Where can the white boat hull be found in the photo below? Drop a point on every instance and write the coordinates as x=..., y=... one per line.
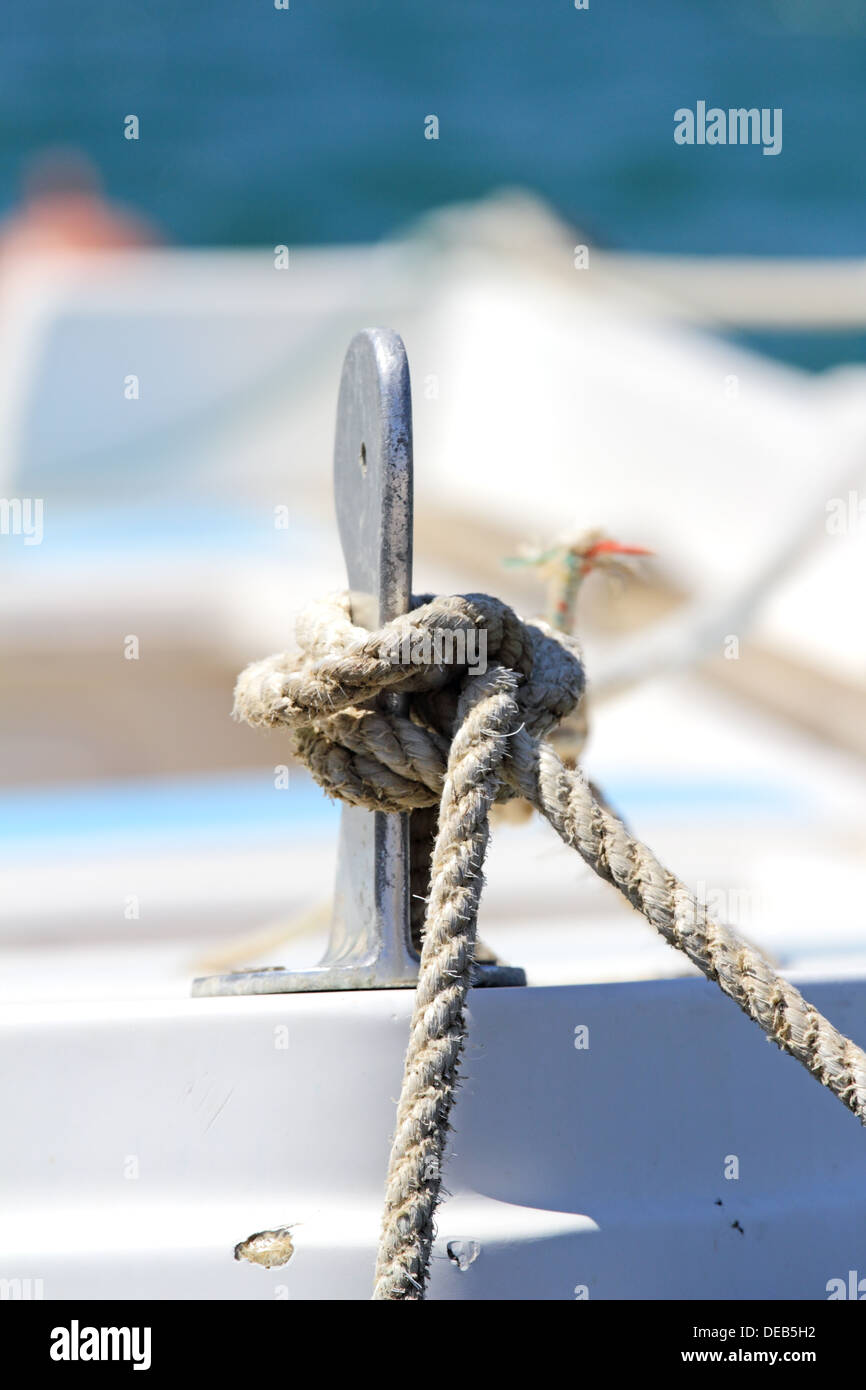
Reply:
x=152, y=1138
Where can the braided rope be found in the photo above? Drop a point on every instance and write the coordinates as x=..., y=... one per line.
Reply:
x=474, y=737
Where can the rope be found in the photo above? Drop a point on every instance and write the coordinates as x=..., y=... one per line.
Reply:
x=472, y=739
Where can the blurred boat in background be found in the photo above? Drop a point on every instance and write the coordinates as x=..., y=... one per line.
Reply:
x=173, y=412
x=173, y=409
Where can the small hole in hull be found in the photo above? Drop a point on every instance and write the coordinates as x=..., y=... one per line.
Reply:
x=362, y=460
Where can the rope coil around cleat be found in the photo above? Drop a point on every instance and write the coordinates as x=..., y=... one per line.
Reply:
x=474, y=737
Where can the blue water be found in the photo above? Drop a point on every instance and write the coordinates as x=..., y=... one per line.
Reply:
x=247, y=809
x=261, y=126
x=120, y=537
x=153, y=813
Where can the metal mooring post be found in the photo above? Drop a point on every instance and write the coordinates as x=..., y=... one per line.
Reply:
x=370, y=945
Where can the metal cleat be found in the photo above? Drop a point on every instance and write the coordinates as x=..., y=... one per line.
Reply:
x=370, y=944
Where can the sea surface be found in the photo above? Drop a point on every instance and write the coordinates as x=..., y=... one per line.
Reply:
x=304, y=125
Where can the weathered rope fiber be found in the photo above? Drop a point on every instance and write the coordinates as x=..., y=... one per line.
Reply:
x=472, y=738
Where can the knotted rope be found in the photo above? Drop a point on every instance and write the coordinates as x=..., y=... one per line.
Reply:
x=473, y=737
